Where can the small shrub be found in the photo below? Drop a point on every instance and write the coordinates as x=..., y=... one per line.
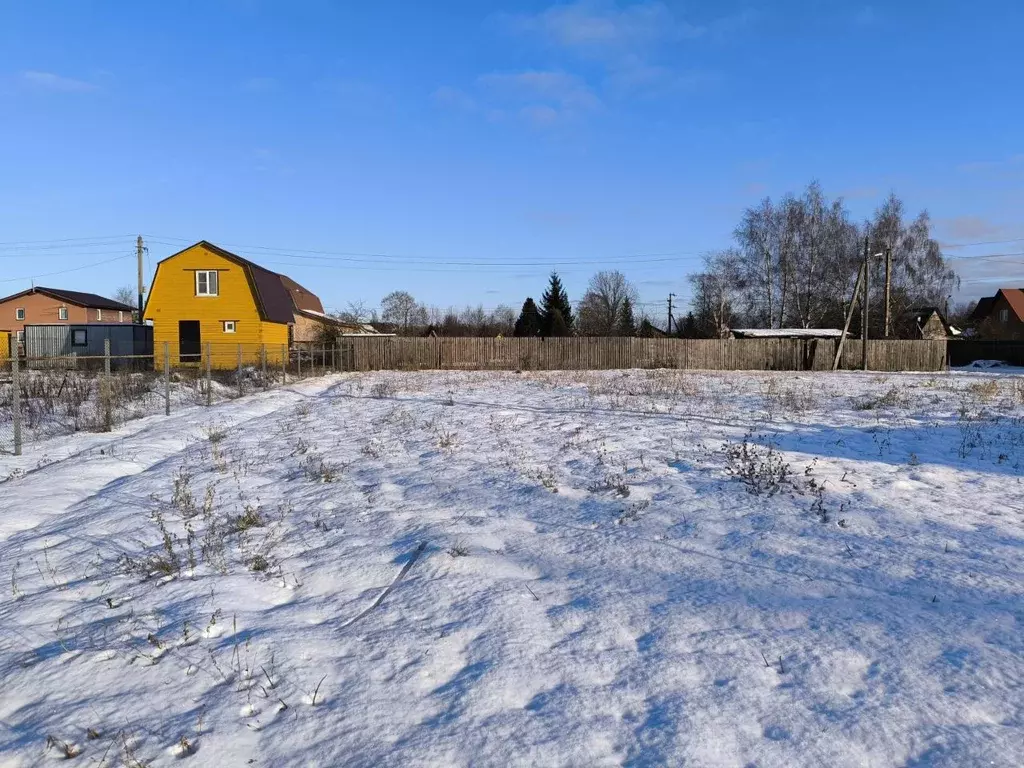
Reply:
x=760, y=469
x=250, y=518
x=458, y=549
x=382, y=389
x=258, y=564
x=985, y=390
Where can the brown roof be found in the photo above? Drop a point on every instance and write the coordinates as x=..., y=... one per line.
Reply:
x=1015, y=298
x=302, y=298
x=79, y=299
x=274, y=298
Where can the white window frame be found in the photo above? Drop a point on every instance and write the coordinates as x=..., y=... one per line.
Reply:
x=120, y=315
x=99, y=315
x=1004, y=315
x=229, y=326
x=215, y=282
x=62, y=313
x=19, y=313
x=20, y=337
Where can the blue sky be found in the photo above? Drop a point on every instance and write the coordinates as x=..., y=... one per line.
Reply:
x=461, y=149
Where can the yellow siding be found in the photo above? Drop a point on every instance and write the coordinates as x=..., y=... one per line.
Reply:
x=173, y=298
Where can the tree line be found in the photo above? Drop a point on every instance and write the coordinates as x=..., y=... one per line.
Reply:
x=793, y=263
x=606, y=309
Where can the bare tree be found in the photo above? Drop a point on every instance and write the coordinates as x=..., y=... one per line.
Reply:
x=402, y=310
x=717, y=291
x=503, y=320
x=921, y=276
x=601, y=306
x=354, y=312
x=127, y=295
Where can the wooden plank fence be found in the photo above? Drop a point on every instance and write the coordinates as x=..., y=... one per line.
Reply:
x=375, y=353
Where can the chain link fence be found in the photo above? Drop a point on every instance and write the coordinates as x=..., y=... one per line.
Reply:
x=46, y=397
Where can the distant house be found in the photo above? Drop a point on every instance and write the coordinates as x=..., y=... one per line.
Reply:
x=311, y=323
x=1000, y=316
x=785, y=333
x=929, y=323
x=205, y=294
x=58, y=306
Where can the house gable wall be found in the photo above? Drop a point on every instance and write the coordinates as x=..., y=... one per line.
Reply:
x=173, y=298
x=993, y=328
x=41, y=309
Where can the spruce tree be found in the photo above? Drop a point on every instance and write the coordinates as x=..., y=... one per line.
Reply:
x=558, y=326
x=626, y=323
x=555, y=299
x=689, y=328
x=528, y=323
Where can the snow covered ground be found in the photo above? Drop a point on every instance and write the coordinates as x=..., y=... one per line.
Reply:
x=634, y=568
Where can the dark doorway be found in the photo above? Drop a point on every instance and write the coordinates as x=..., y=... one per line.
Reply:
x=190, y=347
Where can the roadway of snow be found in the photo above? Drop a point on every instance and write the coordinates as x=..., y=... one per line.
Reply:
x=536, y=569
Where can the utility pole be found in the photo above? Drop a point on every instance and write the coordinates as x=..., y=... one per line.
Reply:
x=849, y=317
x=888, y=295
x=670, y=297
x=139, y=250
x=864, y=306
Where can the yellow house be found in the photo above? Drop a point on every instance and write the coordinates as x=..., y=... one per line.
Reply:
x=207, y=298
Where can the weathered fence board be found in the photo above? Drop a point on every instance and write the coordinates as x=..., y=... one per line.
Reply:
x=373, y=353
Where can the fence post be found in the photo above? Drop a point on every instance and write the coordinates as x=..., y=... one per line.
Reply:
x=334, y=367
x=298, y=360
x=16, y=401
x=263, y=363
x=241, y=386
x=284, y=363
x=167, y=378
x=108, y=412
x=209, y=377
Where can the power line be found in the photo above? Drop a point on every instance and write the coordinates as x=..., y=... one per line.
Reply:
x=984, y=242
x=65, y=271
x=67, y=240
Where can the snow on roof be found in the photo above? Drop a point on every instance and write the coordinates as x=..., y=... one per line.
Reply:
x=788, y=333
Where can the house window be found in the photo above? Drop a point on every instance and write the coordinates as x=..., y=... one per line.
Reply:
x=79, y=338
x=120, y=316
x=206, y=282
x=1004, y=315
x=62, y=313
x=21, y=337
x=229, y=326
x=99, y=315
x=19, y=313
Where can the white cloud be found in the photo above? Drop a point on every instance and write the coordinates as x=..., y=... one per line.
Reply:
x=866, y=16
x=603, y=28
x=547, y=88
x=969, y=228
x=48, y=81
x=454, y=98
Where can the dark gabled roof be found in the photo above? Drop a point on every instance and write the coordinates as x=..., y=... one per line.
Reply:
x=302, y=298
x=983, y=309
x=78, y=298
x=1013, y=296
x=273, y=298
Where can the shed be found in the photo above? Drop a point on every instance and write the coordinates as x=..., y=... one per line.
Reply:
x=786, y=333
x=131, y=344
